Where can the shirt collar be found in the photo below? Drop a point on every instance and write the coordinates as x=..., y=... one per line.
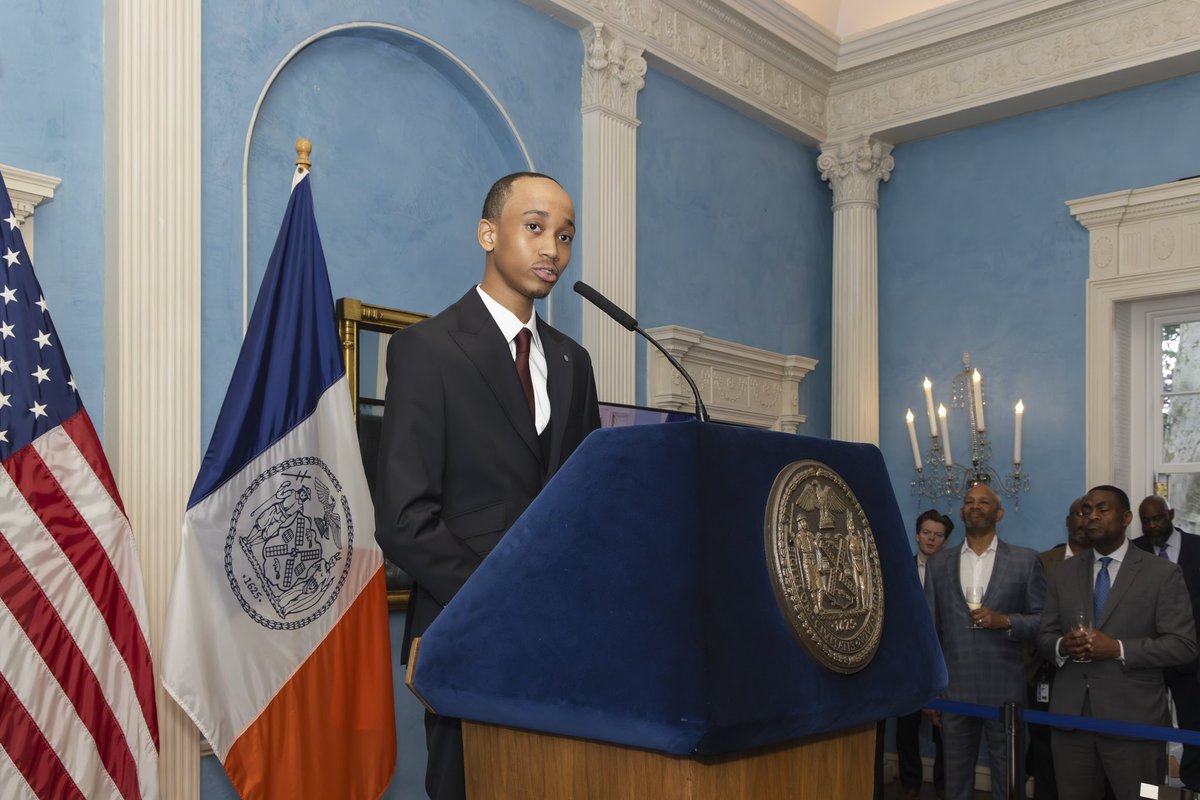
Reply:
x=507, y=321
x=991, y=548
x=1117, y=555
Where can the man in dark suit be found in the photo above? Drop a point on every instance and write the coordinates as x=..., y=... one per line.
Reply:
x=1113, y=670
x=933, y=529
x=983, y=647
x=484, y=402
x=1040, y=673
x=1161, y=537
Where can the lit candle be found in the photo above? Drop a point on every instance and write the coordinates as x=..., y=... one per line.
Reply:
x=945, y=434
x=1020, y=414
x=933, y=428
x=977, y=385
x=912, y=439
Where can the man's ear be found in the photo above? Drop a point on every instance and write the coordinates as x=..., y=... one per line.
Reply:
x=486, y=235
x=999, y=513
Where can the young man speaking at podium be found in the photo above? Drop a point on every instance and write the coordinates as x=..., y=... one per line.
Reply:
x=484, y=403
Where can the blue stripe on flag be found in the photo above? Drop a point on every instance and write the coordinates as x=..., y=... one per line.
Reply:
x=290, y=356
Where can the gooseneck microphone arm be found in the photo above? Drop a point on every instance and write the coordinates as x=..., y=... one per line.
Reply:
x=626, y=321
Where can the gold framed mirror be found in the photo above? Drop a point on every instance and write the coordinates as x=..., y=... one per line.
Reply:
x=364, y=330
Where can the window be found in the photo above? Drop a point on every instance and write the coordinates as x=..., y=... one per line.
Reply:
x=1165, y=404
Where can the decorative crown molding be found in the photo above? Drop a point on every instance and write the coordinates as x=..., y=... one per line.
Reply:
x=1059, y=49
x=613, y=73
x=854, y=169
x=738, y=383
x=730, y=56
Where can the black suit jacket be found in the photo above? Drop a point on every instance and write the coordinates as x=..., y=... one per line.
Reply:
x=459, y=457
x=1189, y=563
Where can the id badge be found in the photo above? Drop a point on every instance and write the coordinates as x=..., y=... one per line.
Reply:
x=1043, y=692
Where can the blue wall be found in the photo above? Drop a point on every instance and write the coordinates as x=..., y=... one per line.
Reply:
x=405, y=146
x=978, y=252
x=52, y=121
x=734, y=233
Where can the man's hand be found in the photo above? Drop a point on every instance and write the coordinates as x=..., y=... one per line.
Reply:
x=1077, y=644
x=1104, y=647
x=935, y=717
x=984, y=617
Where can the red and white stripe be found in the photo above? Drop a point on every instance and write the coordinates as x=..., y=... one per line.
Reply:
x=77, y=713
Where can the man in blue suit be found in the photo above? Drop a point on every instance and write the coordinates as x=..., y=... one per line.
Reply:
x=985, y=657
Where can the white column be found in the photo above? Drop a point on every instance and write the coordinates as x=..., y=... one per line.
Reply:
x=613, y=74
x=152, y=305
x=854, y=169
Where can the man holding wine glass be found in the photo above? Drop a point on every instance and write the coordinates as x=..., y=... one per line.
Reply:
x=986, y=599
x=1115, y=617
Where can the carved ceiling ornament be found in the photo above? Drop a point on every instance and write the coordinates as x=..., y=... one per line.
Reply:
x=854, y=169
x=613, y=72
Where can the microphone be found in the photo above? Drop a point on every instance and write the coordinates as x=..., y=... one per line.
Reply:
x=627, y=322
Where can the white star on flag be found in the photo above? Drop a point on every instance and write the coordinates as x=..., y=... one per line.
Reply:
x=4, y=400
x=71, y=383
x=39, y=409
x=5, y=366
x=42, y=339
x=11, y=257
x=42, y=374
x=3, y=436
x=9, y=295
x=11, y=219
x=41, y=303
x=6, y=329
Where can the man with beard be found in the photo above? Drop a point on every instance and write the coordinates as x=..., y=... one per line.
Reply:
x=1161, y=537
x=1141, y=624
x=985, y=657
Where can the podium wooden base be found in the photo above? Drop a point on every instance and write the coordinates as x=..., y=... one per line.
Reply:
x=510, y=764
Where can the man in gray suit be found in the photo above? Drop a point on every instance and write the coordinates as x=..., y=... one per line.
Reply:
x=1114, y=670
x=983, y=647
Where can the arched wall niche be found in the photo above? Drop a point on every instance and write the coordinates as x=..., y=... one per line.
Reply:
x=406, y=141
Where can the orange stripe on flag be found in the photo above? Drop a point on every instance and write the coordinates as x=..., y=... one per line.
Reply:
x=330, y=730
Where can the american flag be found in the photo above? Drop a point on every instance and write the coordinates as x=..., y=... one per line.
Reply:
x=77, y=712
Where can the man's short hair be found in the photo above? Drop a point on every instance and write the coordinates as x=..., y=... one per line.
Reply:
x=1120, y=494
x=933, y=515
x=497, y=196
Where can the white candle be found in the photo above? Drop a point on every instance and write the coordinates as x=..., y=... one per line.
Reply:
x=912, y=439
x=977, y=386
x=945, y=434
x=1020, y=414
x=933, y=428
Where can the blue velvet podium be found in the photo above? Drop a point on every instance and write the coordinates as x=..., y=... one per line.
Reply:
x=628, y=622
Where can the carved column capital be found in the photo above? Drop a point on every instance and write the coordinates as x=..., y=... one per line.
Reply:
x=854, y=169
x=613, y=72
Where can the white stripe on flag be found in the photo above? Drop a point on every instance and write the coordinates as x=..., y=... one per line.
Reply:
x=12, y=781
x=66, y=592
x=219, y=664
x=99, y=511
x=36, y=688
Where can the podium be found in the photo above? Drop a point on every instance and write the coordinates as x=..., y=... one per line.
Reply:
x=624, y=639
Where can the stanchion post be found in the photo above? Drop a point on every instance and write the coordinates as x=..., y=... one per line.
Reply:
x=1011, y=713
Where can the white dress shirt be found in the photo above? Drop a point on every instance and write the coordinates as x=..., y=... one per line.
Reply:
x=976, y=570
x=510, y=326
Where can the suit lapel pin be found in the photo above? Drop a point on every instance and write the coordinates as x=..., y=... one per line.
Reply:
x=566, y=357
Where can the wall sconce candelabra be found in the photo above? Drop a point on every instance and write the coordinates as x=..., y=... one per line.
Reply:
x=938, y=477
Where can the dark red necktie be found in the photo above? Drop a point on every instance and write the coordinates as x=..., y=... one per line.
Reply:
x=523, y=339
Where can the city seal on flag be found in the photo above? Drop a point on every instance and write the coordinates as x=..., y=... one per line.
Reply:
x=824, y=566
x=290, y=542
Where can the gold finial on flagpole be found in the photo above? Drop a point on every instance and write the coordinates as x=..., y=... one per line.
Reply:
x=303, y=151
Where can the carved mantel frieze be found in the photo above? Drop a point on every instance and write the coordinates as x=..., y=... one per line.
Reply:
x=738, y=383
x=613, y=73
x=854, y=169
x=27, y=190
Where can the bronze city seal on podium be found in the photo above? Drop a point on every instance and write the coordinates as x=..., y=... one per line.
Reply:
x=824, y=566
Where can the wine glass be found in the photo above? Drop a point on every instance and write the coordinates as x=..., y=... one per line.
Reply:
x=1082, y=623
x=974, y=596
